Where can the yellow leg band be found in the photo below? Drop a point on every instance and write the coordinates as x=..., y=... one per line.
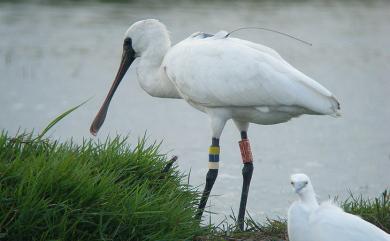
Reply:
x=214, y=150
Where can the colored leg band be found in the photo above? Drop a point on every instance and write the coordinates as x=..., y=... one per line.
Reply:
x=214, y=150
x=214, y=157
x=246, y=152
x=213, y=165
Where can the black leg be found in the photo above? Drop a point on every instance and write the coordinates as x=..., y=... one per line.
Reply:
x=247, y=171
x=210, y=179
x=168, y=166
x=211, y=175
x=244, y=135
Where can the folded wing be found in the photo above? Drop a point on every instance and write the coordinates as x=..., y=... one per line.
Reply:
x=234, y=72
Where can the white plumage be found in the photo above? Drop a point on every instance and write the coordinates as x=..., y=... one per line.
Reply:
x=308, y=221
x=298, y=222
x=227, y=78
x=230, y=73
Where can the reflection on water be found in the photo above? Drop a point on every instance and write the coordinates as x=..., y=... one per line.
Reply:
x=55, y=56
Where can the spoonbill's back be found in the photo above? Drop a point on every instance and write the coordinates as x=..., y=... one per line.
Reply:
x=227, y=78
x=309, y=221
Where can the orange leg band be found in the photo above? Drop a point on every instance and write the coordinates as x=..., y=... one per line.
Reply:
x=246, y=152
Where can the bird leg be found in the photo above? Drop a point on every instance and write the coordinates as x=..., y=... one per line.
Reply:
x=168, y=166
x=211, y=175
x=247, y=171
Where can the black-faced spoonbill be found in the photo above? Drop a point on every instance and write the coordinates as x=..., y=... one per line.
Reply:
x=224, y=77
x=309, y=221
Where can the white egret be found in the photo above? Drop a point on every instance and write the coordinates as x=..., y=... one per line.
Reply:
x=309, y=221
x=224, y=77
x=300, y=210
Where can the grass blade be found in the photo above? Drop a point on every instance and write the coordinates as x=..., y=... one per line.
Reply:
x=58, y=119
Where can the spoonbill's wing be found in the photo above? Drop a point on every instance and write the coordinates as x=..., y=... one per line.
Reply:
x=224, y=72
x=329, y=223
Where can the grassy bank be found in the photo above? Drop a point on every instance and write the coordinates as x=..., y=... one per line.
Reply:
x=113, y=191
x=107, y=191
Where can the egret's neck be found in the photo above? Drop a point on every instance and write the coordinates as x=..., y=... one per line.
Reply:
x=151, y=75
x=308, y=197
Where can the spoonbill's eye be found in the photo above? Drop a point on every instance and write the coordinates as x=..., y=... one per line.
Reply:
x=306, y=182
x=292, y=183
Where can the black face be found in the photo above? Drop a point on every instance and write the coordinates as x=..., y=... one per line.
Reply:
x=128, y=57
x=127, y=44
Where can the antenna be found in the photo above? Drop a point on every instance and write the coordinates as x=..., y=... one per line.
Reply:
x=270, y=30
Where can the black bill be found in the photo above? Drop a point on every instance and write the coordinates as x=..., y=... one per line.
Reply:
x=128, y=57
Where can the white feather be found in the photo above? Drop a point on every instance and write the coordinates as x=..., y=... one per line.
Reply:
x=331, y=223
x=308, y=221
x=298, y=222
x=239, y=73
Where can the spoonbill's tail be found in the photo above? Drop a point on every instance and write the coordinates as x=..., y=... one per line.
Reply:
x=335, y=107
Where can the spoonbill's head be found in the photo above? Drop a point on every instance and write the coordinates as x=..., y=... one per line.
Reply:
x=147, y=33
x=301, y=183
x=141, y=37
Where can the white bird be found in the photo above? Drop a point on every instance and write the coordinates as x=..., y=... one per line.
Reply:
x=300, y=210
x=309, y=221
x=224, y=77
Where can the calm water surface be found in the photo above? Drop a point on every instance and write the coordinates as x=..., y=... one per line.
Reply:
x=53, y=57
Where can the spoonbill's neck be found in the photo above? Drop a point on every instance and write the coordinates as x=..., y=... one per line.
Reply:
x=309, y=197
x=151, y=75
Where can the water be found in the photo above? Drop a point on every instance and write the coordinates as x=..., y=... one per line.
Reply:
x=53, y=57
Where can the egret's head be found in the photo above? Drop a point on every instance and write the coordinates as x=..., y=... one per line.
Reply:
x=143, y=35
x=301, y=183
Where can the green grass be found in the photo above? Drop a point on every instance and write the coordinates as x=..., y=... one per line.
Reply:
x=376, y=211
x=91, y=191
x=112, y=191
